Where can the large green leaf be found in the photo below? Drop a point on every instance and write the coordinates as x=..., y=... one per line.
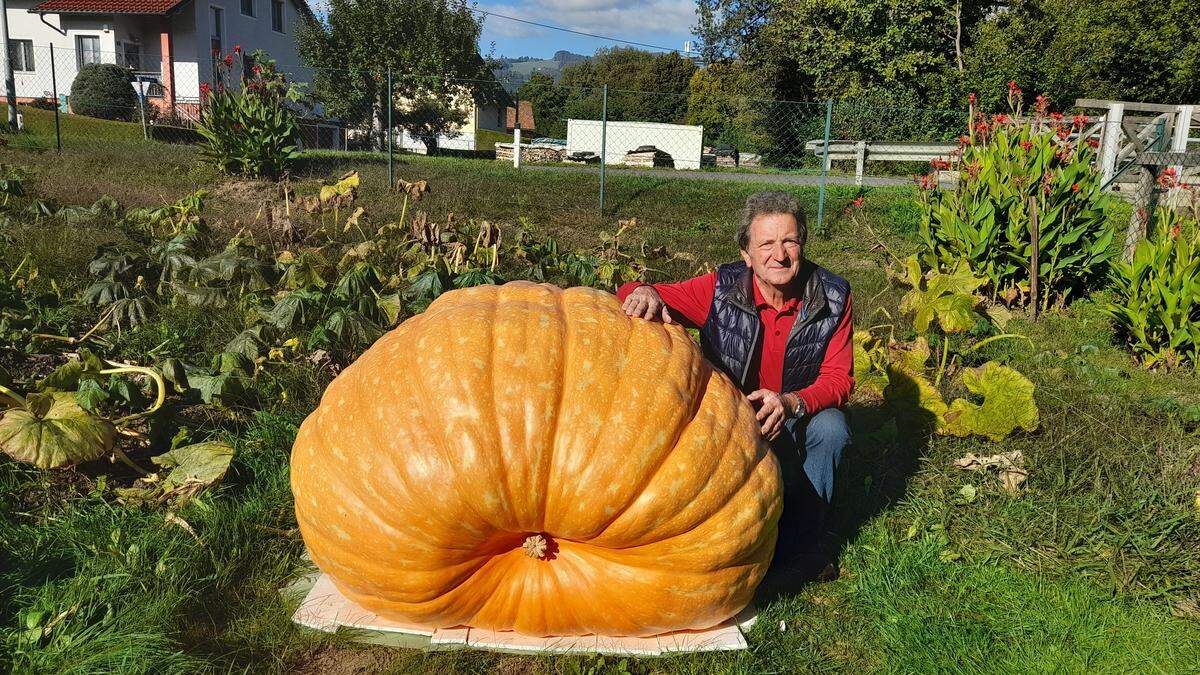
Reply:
x=1007, y=405
x=53, y=431
x=946, y=297
x=197, y=464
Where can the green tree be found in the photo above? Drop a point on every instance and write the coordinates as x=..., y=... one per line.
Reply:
x=727, y=99
x=642, y=86
x=548, y=101
x=431, y=47
x=1143, y=50
x=843, y=49
x=729, y=29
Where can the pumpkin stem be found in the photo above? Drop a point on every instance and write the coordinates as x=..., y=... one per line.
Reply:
x=535, y=546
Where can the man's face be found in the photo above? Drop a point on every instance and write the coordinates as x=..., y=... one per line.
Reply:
x=774, y=251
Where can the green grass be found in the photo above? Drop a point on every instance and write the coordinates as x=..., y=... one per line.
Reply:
x=1089, y=569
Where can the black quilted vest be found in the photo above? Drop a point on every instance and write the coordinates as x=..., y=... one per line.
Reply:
x=732, y=334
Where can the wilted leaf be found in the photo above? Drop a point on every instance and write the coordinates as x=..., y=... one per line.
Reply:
x=173, y=371
x=1000, y=315
x=199, y=463
x=1006, y=464
x=53, y=431
x=909, y=356
x=1007, y=403
x=248, y=343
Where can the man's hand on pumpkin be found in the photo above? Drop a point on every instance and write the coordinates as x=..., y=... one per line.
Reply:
x=645, y=303
x=772, y=411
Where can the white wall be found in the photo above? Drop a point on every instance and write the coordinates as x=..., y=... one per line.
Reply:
x=684, y=143
x=252, y=33
x=190, y=37
x=461, y=141
x=25, y=26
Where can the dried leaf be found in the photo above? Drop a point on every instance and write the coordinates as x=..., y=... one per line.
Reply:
x=1007, y=465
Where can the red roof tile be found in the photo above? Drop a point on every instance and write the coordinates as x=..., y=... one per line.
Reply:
x=127, y=7
x=106, y=6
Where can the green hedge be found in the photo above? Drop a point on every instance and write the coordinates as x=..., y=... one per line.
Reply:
x=103, y=90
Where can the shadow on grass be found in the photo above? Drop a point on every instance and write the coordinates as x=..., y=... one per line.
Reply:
x=883, y=455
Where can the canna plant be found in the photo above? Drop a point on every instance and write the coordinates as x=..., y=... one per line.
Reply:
x=1008, y=166
x=250, y=130
x=1157, y=303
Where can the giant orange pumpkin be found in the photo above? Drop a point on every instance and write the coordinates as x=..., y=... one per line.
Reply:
x=527, y=458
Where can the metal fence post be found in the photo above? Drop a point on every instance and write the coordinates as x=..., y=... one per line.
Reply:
x=391, y=168
x=142, y=109
x=54, y=91
x=603, y=142
x=824, y=167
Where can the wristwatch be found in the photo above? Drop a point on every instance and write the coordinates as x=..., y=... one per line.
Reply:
x=794, y=404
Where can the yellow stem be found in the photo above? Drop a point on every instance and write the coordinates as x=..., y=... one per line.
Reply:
x=149, y=372
x=5, y=391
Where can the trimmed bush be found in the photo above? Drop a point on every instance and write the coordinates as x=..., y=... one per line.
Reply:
x=103, y=90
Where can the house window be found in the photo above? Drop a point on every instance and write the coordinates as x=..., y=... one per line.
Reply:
x=217, y=31
x=87, y=50
x=129, y=55
x=20, y=54
x=248, y=7
x=277, y=16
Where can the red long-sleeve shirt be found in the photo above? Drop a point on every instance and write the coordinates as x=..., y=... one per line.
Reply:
x=690, y=301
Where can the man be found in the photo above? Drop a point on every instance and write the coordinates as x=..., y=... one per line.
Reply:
x=780, y=327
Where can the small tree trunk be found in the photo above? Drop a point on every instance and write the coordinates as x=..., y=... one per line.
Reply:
x=958, y=56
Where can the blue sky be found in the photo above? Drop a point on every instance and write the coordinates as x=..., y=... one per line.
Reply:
x=659, y=22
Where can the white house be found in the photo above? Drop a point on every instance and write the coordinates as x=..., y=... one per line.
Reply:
x=167, y=42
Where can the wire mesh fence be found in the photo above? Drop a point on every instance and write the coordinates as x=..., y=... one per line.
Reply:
x=534, y=123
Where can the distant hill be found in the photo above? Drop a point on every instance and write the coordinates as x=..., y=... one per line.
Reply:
x=522, y=67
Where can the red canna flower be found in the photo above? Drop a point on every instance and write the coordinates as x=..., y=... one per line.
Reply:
x=858, y=203
x=926, y=182
x=1000, y=119
x=1026, y=145
x=1056, y=116
x=229, y=59
x=1168, y=178
x=1012, y=86
x=205, y=90
x=971, y=98
x=964, y=140
x=939, y=164
x=1080, y=121
x=1075, y=188
x=237, y=49
x=256, y=69
x=1175, y=232
x=1093, y=143
x=1042, y=104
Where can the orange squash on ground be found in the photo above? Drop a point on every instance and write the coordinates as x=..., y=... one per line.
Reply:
x=527, y=458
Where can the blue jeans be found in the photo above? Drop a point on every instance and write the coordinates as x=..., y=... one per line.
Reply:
x=809, y=450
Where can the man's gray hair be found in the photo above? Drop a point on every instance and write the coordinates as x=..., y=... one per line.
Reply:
x=768, y=202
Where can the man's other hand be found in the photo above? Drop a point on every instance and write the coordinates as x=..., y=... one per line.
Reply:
x=645, y=303
x=771, y=411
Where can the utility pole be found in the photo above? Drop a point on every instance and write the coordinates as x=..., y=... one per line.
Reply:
x=10, y=86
